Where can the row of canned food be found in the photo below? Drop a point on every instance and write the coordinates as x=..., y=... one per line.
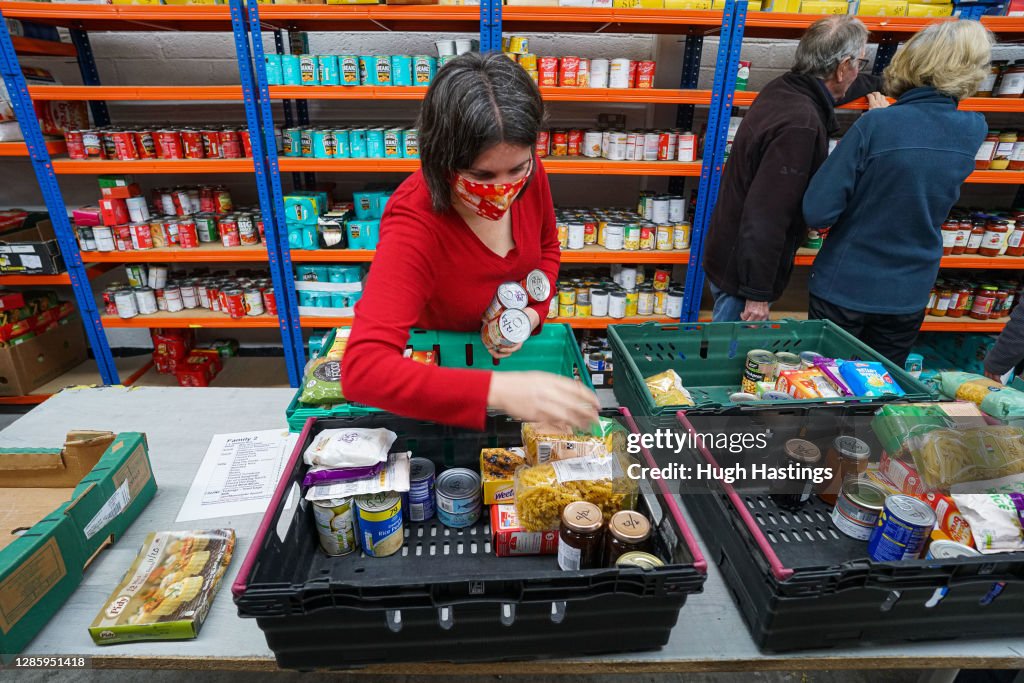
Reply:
x=353, y=70
x=241, y=229
x=348, y=142
x=146, y=141
x=627, y=293
x=619, y=145
x=151, y=289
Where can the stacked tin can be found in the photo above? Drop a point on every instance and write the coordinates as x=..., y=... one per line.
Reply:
x=627, y=293
x=353, y=70
x=349, y=142
x=153, y=288
x=619, y=145
x=580, y=72
x=328, y=297
x=655, y=228
x=132, y=143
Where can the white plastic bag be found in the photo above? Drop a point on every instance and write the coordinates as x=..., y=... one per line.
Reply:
x=350, y=447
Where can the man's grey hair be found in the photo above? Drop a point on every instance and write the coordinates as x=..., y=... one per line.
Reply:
x=827, y=43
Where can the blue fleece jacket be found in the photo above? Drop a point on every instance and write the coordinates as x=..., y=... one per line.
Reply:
x=885, y=190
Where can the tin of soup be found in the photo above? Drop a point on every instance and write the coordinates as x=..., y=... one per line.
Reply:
x=379, y=516
x=458, y=497
x=903, y=527
x=419, y=505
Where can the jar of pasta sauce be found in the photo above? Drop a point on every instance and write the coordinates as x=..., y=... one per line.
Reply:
x=961, y=298
x=984, y=300
x=983, y=159
x=950, y=230
x=963, y=236
x=1015, y=242
x=976, y=238
x=943, y=298
x=999, y=308
x=996, y=232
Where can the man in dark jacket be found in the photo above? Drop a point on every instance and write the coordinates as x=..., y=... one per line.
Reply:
x=758, y=225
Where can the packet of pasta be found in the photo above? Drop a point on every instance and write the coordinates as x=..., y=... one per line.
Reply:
x=945, y=457
x=667, y=389
x=543, y=491
x=545, y=443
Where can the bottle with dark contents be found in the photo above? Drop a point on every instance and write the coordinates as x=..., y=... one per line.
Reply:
x=791, y=494
x=628, y=531
x=580, y=537
x=847, y=457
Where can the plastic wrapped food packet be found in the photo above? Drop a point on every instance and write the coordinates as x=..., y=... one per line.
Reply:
x=667, y=389
x=895, y=423
x=543, y=491
x=995, y=512
x=944, y=457
x=1005, y=403
x=349, y=447
x=546, y=442
x=868, y=378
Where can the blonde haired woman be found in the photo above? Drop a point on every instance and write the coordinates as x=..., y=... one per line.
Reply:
x=889, y=185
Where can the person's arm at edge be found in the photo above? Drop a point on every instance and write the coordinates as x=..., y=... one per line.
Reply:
x=1009, y=349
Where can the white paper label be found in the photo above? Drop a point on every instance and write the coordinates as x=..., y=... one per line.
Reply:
x=590, y=468
x=111, y=509
x=568, y=557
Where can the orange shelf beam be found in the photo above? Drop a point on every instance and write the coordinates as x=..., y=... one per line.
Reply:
x=805, y=257
x=997, y=177
x=941, y=324
x=981, y=104
x=196, y=318
x=332, y=255
x=90, y=167
x=138, y=93
x=340, y=92
x=42, y=48
x=19, y=149
x=212, y=253
x=627, y=95
x=317, y=321
x=349, y=165
x=603, y=323
x=588, y=255
x=585, y=166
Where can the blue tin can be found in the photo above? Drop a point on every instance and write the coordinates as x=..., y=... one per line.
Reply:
x=308, y=70
x=423, y=69
x=341, y=144
x=291, y=142
x=393, y=143
x=401, y=70
x=368, y=70
x=383, y=76
x=275, y=72
x=372, y=234
x=339, y=300
x=902, y=530
x=418, y=503
x=364, y=205
x=306, y=142
x=348, y=70
x=324, y=144
x=327, y=70
x=411, y=143
x=375, y=143
x=379, y=516
x=357, y=143
x=458, y=497
x=290, y=70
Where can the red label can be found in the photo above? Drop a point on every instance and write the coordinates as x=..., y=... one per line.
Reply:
x=109, y=149
x=124, y=145
x=575, y=142
x=666, y=146
x=243, y=135
x=590, y=233
x=258, y=220
x=92, y=141
x=211, y=143
x=644, y=74
x=145, y=145
x=229, y=236
x=543, y=147
x=559, y=143
x=269, y=301
x=75, y=144
x=647, y=236
x=213, y=295
x=169, y=144
x=182, y=202
x=140, y=236
x=230, y=144
x=188, y=236
x=632, y=73
x=569, y=71
x=123, y=238
x=234, y=303
x=222, y=199
x=192, y=144
x=207, y=203
x=547, y=71
x=247, y=234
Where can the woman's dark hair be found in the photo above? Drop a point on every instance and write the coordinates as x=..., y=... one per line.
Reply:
x=475, y=102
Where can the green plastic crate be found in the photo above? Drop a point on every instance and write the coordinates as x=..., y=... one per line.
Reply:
x=553, y=350
x=710, y=358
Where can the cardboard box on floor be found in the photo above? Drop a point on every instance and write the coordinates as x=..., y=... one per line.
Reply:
x=58, y=510
x=34, y=362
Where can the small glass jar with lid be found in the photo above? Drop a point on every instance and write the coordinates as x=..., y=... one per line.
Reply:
x=793, y=493
x=580, y=536
x=627, y=531
x=847, y=457
x=983, y=159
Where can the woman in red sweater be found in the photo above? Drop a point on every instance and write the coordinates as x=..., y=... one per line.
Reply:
x=477, y=214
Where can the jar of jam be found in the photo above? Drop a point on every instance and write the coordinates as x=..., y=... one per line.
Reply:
x=1004, y=150
x=1012, y=83
x=627, y=531
x=983, y=159
x=984, y=300
x=996, y=232
x=1017, y=156
x=847, y=457
x=791, y=494
x=977, y=237
x=963, y=236
x=944, y=297
x=1015, y=242
x=988, y=86
x=580, y=537
x=950, y=230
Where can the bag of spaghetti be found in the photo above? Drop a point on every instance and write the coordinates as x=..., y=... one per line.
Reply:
x=944, y=457
x=1005, y=403
x=548, y=442
x=542, y=491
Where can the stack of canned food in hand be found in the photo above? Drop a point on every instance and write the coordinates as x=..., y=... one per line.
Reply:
x=505, y=322
x=148, y=141
x=349, y=142
x=628, y=293
x=352, y=70
x=580, y=72
x=619, y=145
x=660, y=226
x=328, y=297
x=184, y=217
x=153, y=288
x=958, y=295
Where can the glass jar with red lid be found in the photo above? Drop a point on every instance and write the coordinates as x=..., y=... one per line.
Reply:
x=961, y=295
x=950, y=232
x=984, y=300
x=995, y=237
x=976, y=238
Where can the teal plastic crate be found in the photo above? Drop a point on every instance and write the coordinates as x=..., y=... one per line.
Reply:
x=553, y=350
x=710, y=358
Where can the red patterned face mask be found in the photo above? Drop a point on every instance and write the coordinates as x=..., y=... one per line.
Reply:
x=489, y=200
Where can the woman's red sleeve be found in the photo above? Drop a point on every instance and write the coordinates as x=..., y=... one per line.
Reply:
x=374, y=370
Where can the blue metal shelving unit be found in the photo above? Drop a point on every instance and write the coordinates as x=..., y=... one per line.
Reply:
x=43, y=167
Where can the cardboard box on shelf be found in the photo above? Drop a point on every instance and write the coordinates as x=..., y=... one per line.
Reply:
x=59, y=508
x=882, y=8
x=921, y=10
x=26, y=366
x=688, y=4
x=31, y=251
x=824, y=7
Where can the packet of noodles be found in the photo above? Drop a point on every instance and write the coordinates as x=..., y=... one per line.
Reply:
x=667, y=389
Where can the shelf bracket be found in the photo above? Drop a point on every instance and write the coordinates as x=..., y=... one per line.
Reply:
x=90, y=74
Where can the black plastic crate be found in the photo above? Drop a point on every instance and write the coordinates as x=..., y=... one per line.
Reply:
x=445, y=596
x=801, y=584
